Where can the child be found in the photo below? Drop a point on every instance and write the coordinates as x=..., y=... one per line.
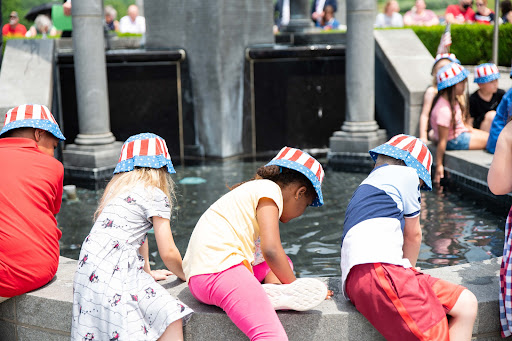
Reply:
x=328, y=21
x=500, y=183
x=380, y=246
x=30, y=197
x=484, y=101
x=448, y=117
x=483, y=14
x=441, y=60
x=115, y=295
x=219, y=260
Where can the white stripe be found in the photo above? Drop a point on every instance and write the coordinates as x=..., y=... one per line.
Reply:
x=136, y=147
x=152, y=146
x=404, y=142
x=124, y=152
x=8, y=117
x=167, y=155
x=417, y=149
x=314, y=167
x=275, y=158
x=303, y=158
x=36, y=112
x=20, y=115
x=290, y=153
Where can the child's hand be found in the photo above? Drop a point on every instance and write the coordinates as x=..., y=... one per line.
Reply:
x=439, y=174
x=330, y=293
x=161, y=274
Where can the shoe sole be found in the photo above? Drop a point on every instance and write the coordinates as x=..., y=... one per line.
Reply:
x=302, y=294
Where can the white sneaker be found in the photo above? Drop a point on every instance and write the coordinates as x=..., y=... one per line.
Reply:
x=302, y=294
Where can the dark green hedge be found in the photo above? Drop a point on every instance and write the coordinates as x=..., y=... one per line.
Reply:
x=472, y=44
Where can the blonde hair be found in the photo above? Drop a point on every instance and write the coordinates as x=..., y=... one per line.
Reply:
x=149, y=177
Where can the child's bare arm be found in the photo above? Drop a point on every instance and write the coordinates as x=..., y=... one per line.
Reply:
x=424, y=116
x=412, y=239
x=166, y=247
x=267, y=215
x=498, y=178
x=441, y=148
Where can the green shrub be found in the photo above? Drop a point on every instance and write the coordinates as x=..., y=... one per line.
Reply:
x=472, y=44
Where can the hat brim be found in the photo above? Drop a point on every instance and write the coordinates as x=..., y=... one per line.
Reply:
x=409, y=160
x=47, y=125
x=153, y=161
x=319, y=200
x=454, y=80
x=487, y=79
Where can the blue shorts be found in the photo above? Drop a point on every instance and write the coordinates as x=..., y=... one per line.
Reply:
x=461, y=142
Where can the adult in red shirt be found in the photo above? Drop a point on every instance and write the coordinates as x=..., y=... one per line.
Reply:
x=14, y=28
x=461, y=13
x=30, y=197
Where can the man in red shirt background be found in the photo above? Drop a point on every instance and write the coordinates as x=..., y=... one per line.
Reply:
x=31, y=182
x=14, y=28
x=461, y=13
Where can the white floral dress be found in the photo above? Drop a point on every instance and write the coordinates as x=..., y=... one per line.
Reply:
x=113, y=297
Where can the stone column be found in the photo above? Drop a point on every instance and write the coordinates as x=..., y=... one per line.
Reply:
x=95, y=152
x=360, y=131
x=300, y=18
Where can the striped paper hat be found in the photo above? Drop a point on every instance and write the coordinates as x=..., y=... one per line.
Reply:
x=485, y=73
x=304, y=163
x=412, y=151
x=144, y=150
x=450, y=74
x=450, y=56
x=32, y=116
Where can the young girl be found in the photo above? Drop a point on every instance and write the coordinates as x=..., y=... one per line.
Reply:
x=115, y=295
x=441, y=60
x=448, y=117
x=220, y=257
x=500, y=183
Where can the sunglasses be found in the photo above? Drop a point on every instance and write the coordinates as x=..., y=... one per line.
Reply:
x=13, y=17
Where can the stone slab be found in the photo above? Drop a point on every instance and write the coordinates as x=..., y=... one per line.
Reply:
x=26, y=75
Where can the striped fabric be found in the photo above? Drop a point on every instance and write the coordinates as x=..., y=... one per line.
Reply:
x=297, y=155
x=450, y=56
x=487, y=72
x=144, y=150
x=415, y=147
x=505, y=298
x=304, y=163
x=412, y=151
x=450, y=75
x=32, y=116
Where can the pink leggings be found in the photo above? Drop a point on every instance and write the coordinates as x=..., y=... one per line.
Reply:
x=239, y=293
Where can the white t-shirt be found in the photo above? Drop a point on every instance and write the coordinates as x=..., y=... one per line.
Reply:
x=126, y=25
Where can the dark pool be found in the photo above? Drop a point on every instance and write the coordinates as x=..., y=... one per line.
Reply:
x=457, y=228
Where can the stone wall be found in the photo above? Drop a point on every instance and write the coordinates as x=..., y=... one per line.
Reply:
x=45, y=314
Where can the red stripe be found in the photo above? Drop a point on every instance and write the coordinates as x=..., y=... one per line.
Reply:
x=283, y=153
x=43, y=114
x=398, y=140
x=422, y=154
x=319, y=174
x=144, y=144
x=396, y=302
x=29, y=112
x=129, y=152
x=429, y=162
x=14, y=112
x=478, y=73
x=309, y=163
x=485, y=71
x=158, y=147
x=296, y=156
x=410, y=146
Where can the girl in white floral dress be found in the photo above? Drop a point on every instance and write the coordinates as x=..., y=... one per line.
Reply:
x=115, y=296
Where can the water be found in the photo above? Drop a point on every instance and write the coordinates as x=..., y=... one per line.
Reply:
x=457, y=228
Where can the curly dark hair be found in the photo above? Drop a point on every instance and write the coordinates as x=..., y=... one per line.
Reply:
x=283, y=177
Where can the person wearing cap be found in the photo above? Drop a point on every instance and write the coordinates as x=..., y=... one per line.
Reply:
x=441, y=60
x=14, y=28
x=380, y=246
x=484, y=101
x=503, y=114
x=31, y=182
x=224, y=265
x=115, y=295
x=449, y=118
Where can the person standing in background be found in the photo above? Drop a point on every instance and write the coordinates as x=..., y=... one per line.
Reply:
x=133, y=22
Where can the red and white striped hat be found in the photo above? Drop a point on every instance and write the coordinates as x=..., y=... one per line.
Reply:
x=32, y=116
x=144, y=150
x=412, y=151
x=304, y=163
x=485, y=73
x=450, y=75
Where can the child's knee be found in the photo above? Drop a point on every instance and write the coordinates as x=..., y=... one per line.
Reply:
x=466, y=306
